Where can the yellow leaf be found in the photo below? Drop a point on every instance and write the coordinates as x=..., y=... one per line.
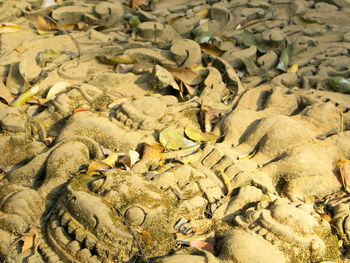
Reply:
x=293, y=68
x=120, y=59
x=226, y=181
x=174, y=141
x=111, y=159
x=9, y=28
x=153, y=151
x=197, y=135
x=95, y=167
x=203, y=13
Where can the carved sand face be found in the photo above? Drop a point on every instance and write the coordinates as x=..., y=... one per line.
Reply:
x=87, y=223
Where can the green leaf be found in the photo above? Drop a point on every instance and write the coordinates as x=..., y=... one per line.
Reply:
x=46, y=56
x=339, y=84
x=134, y=21
x=198, y=135
x=285, y=57
x=174, y=141
x=249, y=39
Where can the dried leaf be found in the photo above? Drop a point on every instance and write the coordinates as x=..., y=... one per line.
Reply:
x=9, y=28
x=46, y=56
x=19, y=49
x=96, y=167
x=148, y=237
x=43, y=32
x=339, y=84
x=198, y=135
x=208, y=117
x=326, y=217
x=128, y=160
x=5, y=94
x=185, y=75
x=174, y=19
x=249, y=39
x=14, y=80
x=174, y=141
x=43, y=25
x=211, y=49
x=203, y=13
x=203, y=37
x=24, y=97
x=49, y=140
x=120, y=59
x=75, y=111
x=202, y=245
x=111, y=159
x=30, y=240
x=153, y=151
x=293, y=68
x=57, y=88
x=192, y=158
x=344, y=177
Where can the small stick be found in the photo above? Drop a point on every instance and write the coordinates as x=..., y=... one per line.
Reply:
x=71, y=37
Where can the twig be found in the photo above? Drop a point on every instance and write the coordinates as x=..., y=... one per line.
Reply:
x=253, y=23
x=133, y=234
x=71, y=37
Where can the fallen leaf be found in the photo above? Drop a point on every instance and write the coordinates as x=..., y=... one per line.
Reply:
x=5, y=94
x=326, y=217
x=339, y=84
x=49, y=140
x=43, y=25
x=153, y=151
x=192, y=158
x=202, y=245
x=293, y=68
x=174, y=141
x=248, y=155
x=9, y=28
x=286, y=54
x=75, y=111
x=24, y=97
x=208, y=117
x=19, y=49
x=57, y=88
x=185, y=75
x=202, y=37
x=128, y=160
x=174, y=19
x=211, y=49
x=148, y=237
x=14, y=80
x=134, y=21
x=344, y=177
x=248, y=39
x=96, y=167
x=30, y=240
x=43, y=32
x=46, y=56
x=203, y=13
x=120, y=59
x=198, y=135
x=111, y=159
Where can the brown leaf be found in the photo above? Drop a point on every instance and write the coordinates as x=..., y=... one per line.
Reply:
x=187, y=76
x=5, y=94
x=30, y=240
x=129, y=160
x=202, y=245
x=211, y=49
x=174, y=19
x=344, y=177
x=326, y=217
x=42, y=24
x=153, y=151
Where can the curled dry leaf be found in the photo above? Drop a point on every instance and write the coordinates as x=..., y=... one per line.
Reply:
x=129, y=160
x=57, y=88
x=14, y=80
x=9, y=28
x=174, y=141
x=344, y=174
x=198, y=135
x=211, y=49
x=208, y=117
x=49, y=140
x=111, y=159
x=30, y=240
x=5, y=94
